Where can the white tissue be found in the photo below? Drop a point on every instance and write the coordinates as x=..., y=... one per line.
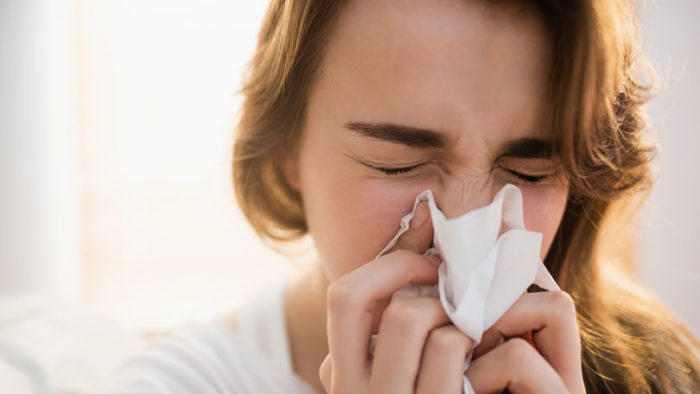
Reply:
x=484, y=269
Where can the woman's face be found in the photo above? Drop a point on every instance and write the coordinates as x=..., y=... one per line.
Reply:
x=451, y=91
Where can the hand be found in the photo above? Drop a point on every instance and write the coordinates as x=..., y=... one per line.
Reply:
x=417, y=348
x=504, y=361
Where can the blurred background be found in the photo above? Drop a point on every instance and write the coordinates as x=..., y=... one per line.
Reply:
x=117, y=210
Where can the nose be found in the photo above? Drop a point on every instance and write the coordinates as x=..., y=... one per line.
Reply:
x=460, y=196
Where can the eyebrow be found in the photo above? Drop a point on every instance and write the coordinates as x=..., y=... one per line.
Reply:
x=527, y=147
x=406, y=135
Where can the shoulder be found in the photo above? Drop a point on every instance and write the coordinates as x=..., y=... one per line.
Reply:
x=228, y=321
x=194, y=357
x=242, y=351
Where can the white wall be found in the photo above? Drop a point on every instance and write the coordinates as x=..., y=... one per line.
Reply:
x=671, y=245
x=164, y=240
x=38, y=189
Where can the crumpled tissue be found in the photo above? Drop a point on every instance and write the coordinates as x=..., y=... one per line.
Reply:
x=488, y=258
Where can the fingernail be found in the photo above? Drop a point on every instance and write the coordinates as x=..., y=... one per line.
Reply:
x=420, y=215
x=535, y=289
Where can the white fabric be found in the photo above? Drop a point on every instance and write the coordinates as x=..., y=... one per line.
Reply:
x=210, y=357
x=488, y=258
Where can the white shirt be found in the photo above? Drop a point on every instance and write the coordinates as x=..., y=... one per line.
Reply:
x=212, y=357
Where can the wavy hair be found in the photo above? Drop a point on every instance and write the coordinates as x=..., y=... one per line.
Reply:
x=630, y=343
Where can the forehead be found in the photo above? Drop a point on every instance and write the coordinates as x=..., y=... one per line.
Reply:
x=450, y=65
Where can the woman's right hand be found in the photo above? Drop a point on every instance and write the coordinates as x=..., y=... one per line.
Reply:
x=417, y=348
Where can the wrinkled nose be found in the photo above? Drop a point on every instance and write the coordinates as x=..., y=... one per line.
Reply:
x=460, y=196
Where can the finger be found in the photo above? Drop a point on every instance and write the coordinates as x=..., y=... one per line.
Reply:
x=489, y=340
x=442, y=364
x=492, y=338
x=419, y=236
x=351, y=300
x=403, y=330
x=551, y=316
x=324, y=373
x=515, y=366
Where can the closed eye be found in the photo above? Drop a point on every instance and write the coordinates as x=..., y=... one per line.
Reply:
x=396, y=171
x=528, y=178
x=401, y=170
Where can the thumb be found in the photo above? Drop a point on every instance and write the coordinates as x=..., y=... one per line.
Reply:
x=419, y=235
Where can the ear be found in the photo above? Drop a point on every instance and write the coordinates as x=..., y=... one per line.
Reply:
x=289, y=163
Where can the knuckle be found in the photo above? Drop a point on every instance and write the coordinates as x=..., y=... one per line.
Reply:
x=448, y=339
x=517, y=352
x=562, y=302
x=340, y=295
x=404, y=315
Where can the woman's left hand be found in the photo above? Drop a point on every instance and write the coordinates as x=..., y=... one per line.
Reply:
x=504, y=361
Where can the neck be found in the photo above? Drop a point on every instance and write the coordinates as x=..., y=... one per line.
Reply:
x=305, y=310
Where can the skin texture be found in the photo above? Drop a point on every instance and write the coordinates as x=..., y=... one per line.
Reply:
x=476, y=75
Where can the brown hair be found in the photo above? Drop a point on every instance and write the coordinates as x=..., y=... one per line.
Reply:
x=629, y=342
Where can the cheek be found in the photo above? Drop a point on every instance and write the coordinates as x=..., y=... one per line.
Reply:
x=543, y=209
x=365, y=218
x=374, y=209
x=351, y=217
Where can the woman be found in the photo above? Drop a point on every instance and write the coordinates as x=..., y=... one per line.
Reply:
x=351, y=109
